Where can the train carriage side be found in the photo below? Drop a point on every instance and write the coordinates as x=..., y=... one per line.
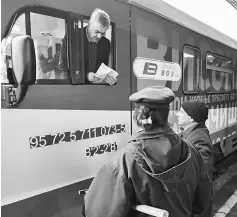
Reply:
x=60, y=119
x=208, y=67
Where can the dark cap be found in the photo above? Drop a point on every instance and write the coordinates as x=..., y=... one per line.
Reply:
x=196, y=109
x=155, y=97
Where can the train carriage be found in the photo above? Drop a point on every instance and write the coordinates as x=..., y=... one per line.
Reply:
x=57, y=129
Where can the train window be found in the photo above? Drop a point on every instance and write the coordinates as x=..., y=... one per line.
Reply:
x=19, y=28
x=219, y=73
x=191, y=69
x=48, y=33
x=56, y=38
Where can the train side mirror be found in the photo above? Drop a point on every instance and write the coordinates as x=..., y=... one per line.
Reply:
x=23, y=67
x=23, y=60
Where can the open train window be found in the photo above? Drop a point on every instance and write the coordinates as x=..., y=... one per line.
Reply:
x=84, y=53
x=219, y=73
x=191, y=69
x=58, y=41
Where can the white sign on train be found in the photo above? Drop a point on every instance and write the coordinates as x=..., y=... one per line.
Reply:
x=145, y=68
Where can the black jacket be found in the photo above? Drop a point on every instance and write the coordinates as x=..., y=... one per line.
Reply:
x=198, y=136
x=95, y=54
x=158, y=169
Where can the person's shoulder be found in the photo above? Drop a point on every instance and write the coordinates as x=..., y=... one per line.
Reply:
x=127, y=151
x=120, y=163
x=124, y=156
x=104, y=41
x=202, y=130
x=199, y=132
x=195, y=156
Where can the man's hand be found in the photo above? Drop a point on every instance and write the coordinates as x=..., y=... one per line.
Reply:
x=94, y=79
x=110, y=80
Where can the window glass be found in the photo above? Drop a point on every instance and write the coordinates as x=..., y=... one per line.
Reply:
x=50, y=42
x=219, y=73
x=19, y=28
x=191, y=69
x=216, y=61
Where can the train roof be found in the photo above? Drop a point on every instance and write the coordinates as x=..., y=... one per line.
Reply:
x=163, y=9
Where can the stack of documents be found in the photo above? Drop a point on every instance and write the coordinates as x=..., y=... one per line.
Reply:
x=104, y=70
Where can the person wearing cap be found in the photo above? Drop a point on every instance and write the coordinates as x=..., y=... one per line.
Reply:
x=191, y=119
x=157, y=168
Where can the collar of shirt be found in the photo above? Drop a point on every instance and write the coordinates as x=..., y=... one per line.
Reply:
x=156, y=132
x=188, y=126
x=188, y=130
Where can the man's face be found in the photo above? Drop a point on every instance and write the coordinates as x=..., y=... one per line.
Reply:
x=96, y=31
x=183, y=118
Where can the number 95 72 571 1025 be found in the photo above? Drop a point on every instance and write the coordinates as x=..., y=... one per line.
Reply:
x=101, y=149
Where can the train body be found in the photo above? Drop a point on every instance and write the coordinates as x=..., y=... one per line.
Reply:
x=55, y=139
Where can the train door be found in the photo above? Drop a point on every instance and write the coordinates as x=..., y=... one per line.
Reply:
x=64, y=128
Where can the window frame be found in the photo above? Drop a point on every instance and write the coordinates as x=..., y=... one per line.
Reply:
x=207, y=67
x=42, y=10
x=113, y=46
x=200, y=69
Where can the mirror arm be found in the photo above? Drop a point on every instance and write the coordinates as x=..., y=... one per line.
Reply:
x=20, y=93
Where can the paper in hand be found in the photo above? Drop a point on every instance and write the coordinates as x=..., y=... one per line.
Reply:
x=104, y=70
